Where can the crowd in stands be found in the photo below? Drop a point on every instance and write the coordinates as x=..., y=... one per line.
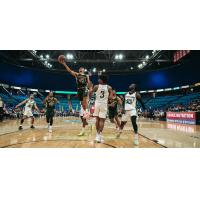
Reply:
x=192, y=106
x=156, y=105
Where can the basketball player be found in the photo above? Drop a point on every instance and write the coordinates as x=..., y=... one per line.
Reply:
x=83, y=83
x=50, y=103
x=29, y=105
x=130, y=100
x=103, y=93
x=113, y=102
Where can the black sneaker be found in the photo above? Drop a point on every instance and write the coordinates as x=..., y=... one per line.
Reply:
x=32, y=126
x=20, y=128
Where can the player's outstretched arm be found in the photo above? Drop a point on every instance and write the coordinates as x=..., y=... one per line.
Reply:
x=20, y=104
x=73, y=73
x=94, y=89
x=138, y=96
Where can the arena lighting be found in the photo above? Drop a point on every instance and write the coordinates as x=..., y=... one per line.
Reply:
x=147, y=57
x=185, y=86
x=143, y=91
x=47, y=56
x=154, y=51
x=144, y=63
x=32, y=90
x=5, y=85
x=47, y=91
x=69, y=56
x=176, y=88
x=85, y=70
x=168, y=89
x=94, y=70
x=160, y=90
x=119, y=57
x=49, y=65
x=131, y=68
x=17, y=88
x=140, y=66
x=41, y=56
x=197, y=84
x=104, y=70
x=45, y=62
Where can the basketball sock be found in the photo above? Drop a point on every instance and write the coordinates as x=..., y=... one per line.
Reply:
x=97, y=133
x=136, y=136
x=22, y=121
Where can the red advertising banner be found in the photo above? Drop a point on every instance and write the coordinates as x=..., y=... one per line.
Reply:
x=179, y=54
x=181, y=117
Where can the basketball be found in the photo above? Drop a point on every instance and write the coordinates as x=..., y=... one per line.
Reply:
x=61, y=58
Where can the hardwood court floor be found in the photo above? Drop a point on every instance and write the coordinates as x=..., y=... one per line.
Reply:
x=64, y=134
x=153, y=134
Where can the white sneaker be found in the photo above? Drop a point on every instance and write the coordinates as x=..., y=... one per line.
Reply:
x=118, y=135
x=136, y=141
x=48, y=126
x=82, y=133
x=98, y=138
x=50, y=130
x=101, y=139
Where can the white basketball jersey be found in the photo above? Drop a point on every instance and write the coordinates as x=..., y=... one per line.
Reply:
x=29, y=104
x=102, y=94
x=130, y=101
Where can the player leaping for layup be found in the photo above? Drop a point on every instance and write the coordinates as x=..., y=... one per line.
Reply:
x=103, y=93
x=83, y=83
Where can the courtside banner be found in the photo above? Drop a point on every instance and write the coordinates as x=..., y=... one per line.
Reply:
x=182, y=117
